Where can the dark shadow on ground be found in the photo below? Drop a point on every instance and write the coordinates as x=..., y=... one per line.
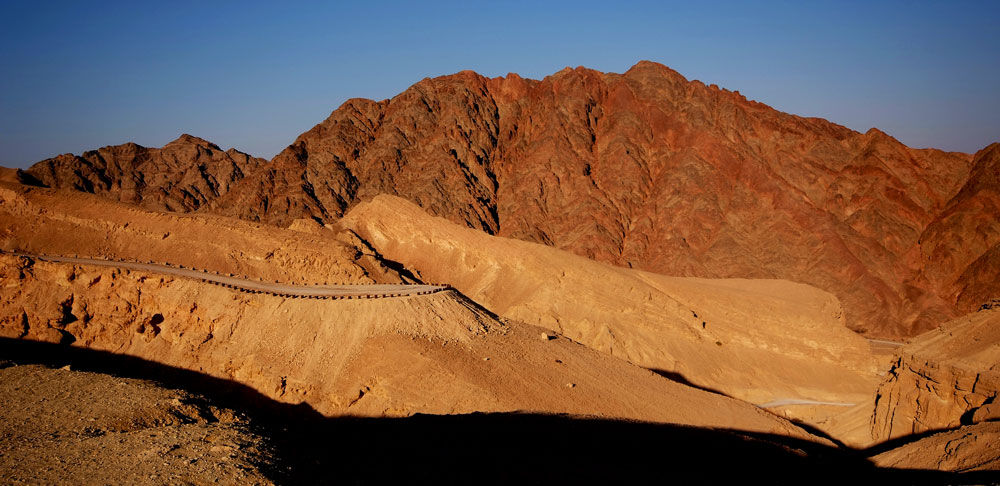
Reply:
x=498, y=448
x=680, y=378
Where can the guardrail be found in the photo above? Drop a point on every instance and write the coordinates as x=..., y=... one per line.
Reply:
x=246, y=284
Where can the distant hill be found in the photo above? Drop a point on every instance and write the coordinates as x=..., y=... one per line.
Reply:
x=181, y=176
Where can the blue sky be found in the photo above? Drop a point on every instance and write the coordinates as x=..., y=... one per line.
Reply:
x=253, y=75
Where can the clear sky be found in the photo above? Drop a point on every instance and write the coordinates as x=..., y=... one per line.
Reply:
x=80, y=75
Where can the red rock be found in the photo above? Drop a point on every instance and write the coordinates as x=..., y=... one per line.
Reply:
x=960, y=249
x=181, y=176
x=643, y=169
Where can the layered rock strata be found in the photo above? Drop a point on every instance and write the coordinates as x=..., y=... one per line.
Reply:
x=945, y=378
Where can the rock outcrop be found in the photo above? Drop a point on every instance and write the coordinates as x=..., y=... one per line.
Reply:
x=181, y=176
x=960, y=249
x=969, y=448
x=643, y=169
x=945, y=378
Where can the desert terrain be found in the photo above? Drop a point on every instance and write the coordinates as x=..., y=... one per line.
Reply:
x=593, y=276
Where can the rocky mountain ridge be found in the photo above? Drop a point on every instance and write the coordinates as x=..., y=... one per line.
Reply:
x=648, y=170
x=183, y=175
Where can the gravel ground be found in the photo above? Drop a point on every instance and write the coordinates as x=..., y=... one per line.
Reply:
x=60, y=426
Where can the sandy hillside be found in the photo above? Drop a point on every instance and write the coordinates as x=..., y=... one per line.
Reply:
x=387, y=357
x=67, y=427
x=428, y=354
x=46, y=221
x=758, y=340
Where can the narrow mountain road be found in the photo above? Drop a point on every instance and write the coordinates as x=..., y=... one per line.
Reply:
x=244, y=284
x=796, y=401
x=894, y=344
x=883, y=348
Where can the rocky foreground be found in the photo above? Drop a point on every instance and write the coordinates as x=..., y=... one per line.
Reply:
x=62, y=426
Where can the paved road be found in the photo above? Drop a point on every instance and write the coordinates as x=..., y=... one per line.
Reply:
x=366, y=291
x=796, y=401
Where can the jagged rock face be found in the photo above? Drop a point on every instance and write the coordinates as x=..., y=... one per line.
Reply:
x=643, y=169
x=432, y=144
x=969, y=448
x=960, y=250
x=181, y=176
x=945, y=378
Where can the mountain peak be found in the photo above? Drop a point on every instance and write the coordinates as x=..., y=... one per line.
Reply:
x=187, y=139
x=655, y=69
x=183, y=175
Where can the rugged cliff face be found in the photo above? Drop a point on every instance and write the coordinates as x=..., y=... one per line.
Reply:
x=969, y=448
x=960, y=249
x=945, y=378
x=181, y=176
x=643, y=169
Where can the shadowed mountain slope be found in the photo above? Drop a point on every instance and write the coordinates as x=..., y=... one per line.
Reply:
x=181, y=176
x=960, y=249
x=307, y=448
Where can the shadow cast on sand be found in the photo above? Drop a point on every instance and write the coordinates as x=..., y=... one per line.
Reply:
x=505, y=448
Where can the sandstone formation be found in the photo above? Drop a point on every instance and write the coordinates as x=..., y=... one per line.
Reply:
x=757, y=340
x=944, y=378
x=181, y=176
x=969, y=448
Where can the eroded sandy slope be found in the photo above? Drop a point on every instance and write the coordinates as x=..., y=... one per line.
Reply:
x=388, y=357
x=758, y=340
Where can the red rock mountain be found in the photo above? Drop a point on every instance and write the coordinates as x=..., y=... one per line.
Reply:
x=181, y=176
x=643, y=169
x=960, y=249
x=649, y=170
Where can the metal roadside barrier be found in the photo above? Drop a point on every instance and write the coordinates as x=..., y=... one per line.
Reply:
x=307, y=293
